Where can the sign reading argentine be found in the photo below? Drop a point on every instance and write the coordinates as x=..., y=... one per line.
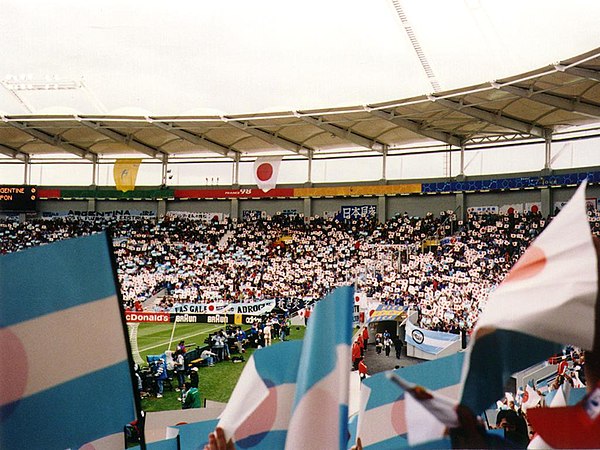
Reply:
x=429, y=341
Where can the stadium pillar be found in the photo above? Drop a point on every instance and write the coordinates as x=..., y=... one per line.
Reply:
x=165, y=170
x=161, y=208
x=95, y=170
x=381, y=208
x=546, y=200
x=548, y=150
x=460, y=206
x=27, y=169
x=91, y=206
x=309, y=175
x=235, y=208
x=308, y=207
x=236, y=176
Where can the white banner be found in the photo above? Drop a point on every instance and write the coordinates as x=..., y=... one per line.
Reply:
x=483, y=210
x=249, y=308
x=203, y=216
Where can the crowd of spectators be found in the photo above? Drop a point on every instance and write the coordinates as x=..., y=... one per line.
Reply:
x=444, y=267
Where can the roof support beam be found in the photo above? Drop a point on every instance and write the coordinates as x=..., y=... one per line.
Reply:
x=567, y=104
x=269, y=137
x=589, y=74
x=343, y=133
x=53, y=140
x=415, y=127
x=128, y=140
x=487, y=116
x=194, y=138
x=14, y=153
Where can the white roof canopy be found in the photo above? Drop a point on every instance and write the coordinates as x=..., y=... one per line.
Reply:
x=233, y=78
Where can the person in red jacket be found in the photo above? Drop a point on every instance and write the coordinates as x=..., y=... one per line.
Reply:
x=365, y=335
x=362, y=369
x=361, y=344
x=356, y=355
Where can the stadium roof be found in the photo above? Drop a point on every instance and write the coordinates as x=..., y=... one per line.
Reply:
x=168, y=74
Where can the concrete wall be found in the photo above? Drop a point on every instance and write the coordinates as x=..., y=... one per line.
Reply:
x=62, y=205
x=272, y=206
x=502, y=198
x=214, y=206
x=420, y=205
x=131, y=205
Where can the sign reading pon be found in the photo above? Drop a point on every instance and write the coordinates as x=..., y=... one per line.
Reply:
x=18, y=198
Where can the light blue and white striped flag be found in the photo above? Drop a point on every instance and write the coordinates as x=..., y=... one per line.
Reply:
x=65, y=369
x=429, y=341
x=288, y=387
x=258, y=414
x=382, y=417
x=320, y=413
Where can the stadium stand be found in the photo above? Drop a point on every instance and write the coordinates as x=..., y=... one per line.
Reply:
x=443, y=266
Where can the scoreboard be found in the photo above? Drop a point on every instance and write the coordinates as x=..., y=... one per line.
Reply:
x=18, y=198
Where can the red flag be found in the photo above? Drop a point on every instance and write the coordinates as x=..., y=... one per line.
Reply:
x=571, y=426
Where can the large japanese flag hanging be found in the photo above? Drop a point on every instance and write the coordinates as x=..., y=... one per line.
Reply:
x=547, y=299
x=266, y=169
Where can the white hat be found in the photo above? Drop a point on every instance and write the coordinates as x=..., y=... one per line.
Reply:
x=195, y=369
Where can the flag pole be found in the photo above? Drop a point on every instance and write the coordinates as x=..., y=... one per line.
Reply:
x=172, y=334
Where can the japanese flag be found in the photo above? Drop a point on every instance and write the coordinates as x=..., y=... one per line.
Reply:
x=266, y=169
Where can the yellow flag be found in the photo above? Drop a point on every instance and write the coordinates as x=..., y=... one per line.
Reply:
x=125, y=173
x=237, y=319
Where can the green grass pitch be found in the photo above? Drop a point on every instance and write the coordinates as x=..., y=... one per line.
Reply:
x=216, y=383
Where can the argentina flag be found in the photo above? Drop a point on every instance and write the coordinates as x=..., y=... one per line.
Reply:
x=383, y=421
x=65, y=371
x=320, y=412
x=258, y=413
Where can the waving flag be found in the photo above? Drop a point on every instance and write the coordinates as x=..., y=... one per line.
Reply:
x=259, y=411
x=428, y=414
x=547, y=299
x=195, y=435
x=382, y=419
x=266, y=170
x=125, y=173
x=531, y=398
x=65, y=371
x=320, y=413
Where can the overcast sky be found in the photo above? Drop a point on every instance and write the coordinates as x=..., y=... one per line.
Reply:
x=225, y=57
